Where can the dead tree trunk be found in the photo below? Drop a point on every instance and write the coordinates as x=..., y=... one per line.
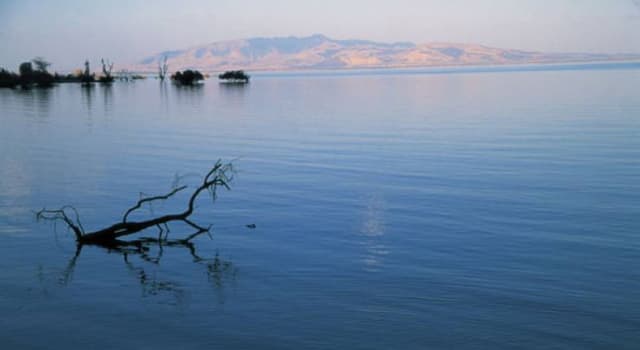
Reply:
x=163, y=68
x=107, y=67
x=219, y=175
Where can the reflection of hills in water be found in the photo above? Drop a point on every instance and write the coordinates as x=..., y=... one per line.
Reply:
x=320, y=52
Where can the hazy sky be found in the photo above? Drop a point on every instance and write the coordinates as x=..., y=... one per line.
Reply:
x=68, y=31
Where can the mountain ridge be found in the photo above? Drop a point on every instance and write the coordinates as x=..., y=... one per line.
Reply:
x=321, y=52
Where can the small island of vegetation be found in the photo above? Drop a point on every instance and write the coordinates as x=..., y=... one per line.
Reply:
x=234, y=76
x=187, y=77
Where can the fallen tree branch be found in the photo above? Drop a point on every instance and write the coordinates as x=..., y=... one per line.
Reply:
x=151, y=199
x=219, y=175
x=61, y=214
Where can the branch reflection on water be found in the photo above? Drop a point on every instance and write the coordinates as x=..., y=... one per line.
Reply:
x=141, y=255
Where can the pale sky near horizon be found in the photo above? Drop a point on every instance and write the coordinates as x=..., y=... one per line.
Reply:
x=66, y=32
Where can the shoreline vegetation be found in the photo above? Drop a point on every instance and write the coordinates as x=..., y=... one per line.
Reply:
x=35, y=73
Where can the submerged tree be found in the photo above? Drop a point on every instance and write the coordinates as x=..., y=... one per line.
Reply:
x=107, y=67
x=87, y=77
x=188, y=77
x=41, y=64
x=41, y=75
x=163, y=68
x=218, y=175
x=234, y=76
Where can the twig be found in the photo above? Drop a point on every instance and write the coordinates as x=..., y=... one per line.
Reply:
x=150, y=199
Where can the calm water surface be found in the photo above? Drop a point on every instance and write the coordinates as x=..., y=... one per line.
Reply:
x=392, y=211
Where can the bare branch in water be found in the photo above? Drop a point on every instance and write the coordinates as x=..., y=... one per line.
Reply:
x=61, y=214
x=219, y=175
x=151, y=199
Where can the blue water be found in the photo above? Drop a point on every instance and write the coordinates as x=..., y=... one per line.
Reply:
x=493, y=210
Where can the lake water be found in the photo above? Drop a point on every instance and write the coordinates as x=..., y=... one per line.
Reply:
x=393, y=210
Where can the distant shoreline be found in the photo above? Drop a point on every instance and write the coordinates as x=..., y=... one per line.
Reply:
x=319, y=52
x=440, y=69
x=463, y=68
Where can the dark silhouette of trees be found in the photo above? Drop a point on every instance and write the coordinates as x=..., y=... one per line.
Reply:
x=41, y=76
x=26, y=74
x=218, y=175
x=35, y=73
x=107, y=67
x=28, y=77
x=8, y=79
x=43, y=79
x=234, y=76
x=25, y=69
x=41, y=64
x=87, y=77
x=163, y=68
x=188, y=77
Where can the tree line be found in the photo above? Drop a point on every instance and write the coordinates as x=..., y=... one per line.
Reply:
x=35, y=73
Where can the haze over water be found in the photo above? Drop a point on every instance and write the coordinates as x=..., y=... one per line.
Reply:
x=409, y=211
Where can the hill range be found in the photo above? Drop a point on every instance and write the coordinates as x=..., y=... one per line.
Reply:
x=320, y=52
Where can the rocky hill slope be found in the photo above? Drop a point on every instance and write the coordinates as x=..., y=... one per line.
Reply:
x=320, y=52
